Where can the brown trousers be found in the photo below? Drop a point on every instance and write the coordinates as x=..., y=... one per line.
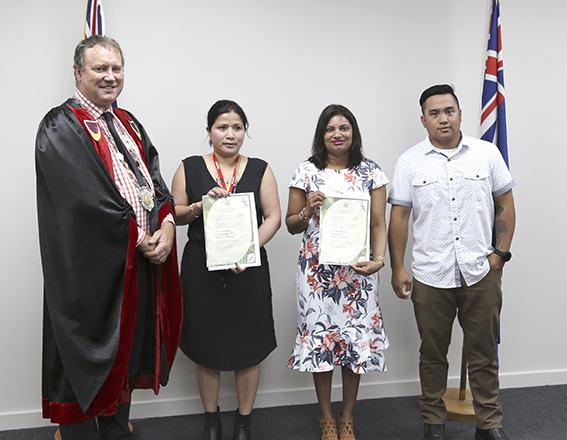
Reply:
x=478, y=309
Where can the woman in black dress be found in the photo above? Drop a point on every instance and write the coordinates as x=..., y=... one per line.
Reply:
x=228, y=323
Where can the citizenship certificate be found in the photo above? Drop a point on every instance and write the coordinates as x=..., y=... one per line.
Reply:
x=231, y=231
x=344, y=230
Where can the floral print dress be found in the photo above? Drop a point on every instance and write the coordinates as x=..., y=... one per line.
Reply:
x=339, y=321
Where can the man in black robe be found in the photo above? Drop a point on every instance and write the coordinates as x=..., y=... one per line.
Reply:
x=112, y=297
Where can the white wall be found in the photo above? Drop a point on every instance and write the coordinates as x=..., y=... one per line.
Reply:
x=283, y=61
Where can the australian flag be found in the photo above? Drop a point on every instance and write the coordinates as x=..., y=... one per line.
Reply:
x=493, y=115
x=94, y=20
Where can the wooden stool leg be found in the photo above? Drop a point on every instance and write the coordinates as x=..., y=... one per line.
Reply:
x=459, y=400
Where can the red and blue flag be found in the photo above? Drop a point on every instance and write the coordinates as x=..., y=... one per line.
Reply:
x=94, y=20
x=493, y=115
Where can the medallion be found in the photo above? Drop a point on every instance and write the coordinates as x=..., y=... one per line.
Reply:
x=146, y=198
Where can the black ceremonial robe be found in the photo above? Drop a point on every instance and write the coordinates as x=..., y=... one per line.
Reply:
x=88, y=234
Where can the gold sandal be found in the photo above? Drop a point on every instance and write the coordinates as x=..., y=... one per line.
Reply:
x=328, y=429
x=346, y=429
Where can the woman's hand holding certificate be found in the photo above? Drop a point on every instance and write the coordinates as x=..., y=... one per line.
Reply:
x=231, y=231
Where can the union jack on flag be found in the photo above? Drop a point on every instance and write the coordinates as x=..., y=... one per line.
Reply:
x=94, y=20
x=493, y=115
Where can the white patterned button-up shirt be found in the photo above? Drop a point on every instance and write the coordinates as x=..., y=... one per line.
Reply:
x=452, y=195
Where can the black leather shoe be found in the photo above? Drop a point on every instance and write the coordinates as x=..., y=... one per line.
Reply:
x=242, y=427
x=213, y=427
x=490, y=434
x=433, y=432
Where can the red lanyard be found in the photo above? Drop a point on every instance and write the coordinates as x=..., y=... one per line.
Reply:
x=221, y=177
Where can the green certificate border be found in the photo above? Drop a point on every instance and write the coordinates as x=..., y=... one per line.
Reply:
x=252, y=256
x=364, y=254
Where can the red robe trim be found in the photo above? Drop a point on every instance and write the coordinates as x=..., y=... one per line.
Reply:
x=167, y=295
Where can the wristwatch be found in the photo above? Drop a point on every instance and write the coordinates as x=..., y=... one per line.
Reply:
x=504, y=255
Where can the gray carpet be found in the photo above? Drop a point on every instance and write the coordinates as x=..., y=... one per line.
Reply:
x=538, y=413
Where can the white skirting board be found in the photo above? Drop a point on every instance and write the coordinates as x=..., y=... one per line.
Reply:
x=156, y=407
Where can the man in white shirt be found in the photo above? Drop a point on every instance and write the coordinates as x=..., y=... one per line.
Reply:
x=460, y=192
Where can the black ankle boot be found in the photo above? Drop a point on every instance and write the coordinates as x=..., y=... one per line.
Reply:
x=213, y=427
x=242, y=427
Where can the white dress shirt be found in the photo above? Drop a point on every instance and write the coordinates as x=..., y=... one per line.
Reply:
x=452, y=195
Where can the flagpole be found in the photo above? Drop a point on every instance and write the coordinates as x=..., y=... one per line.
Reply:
x=85, y=24
x=488, y=24
x=459, y=401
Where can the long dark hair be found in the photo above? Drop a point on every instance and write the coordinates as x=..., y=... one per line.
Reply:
x=319, y=155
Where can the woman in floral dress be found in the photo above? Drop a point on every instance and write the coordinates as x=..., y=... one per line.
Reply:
x=339, y=319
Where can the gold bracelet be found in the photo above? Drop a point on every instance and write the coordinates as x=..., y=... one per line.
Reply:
x=379, y=258
x=191, y=211
x=302, y=216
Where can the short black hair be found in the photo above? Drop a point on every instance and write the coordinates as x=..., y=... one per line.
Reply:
x=439, y=89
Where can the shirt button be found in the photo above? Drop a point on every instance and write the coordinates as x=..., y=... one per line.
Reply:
x=457, y=238
x=451, y=179
x=455, y=219
x=453, y=199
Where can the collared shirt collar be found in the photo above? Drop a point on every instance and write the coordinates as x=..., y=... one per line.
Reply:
x=88, y=105
x=428, y=147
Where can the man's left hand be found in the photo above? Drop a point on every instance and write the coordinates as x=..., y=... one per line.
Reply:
x=163, y=242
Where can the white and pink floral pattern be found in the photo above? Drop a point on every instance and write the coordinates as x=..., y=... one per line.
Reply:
x=339, y=318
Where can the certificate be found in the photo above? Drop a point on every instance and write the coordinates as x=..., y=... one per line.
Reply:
x=344, y=236
x=231, y=231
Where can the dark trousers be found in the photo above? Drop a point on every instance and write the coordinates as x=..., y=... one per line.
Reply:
x=115, y=427
x=478, y=310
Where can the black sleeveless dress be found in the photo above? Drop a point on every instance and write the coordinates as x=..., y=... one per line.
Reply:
x=227, y=320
